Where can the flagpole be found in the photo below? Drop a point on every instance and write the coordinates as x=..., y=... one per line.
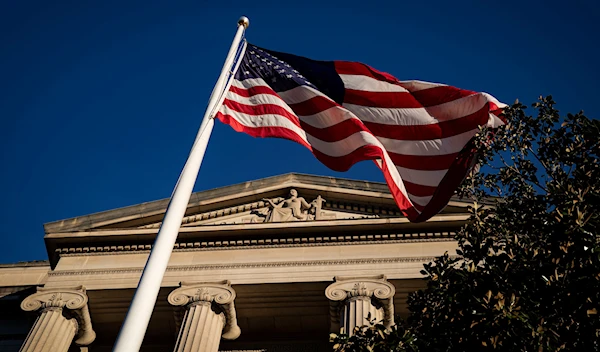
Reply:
x=136, y=321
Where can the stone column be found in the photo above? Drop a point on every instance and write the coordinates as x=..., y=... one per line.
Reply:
x=63, y=316
x=353, y=300
x=209, y=315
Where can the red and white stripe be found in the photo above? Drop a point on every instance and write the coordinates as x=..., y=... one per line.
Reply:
x=415, y=131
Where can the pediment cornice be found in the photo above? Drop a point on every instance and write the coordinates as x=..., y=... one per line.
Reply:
x=348, y=199
x=439, y=221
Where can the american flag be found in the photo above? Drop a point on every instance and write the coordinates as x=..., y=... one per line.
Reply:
x=345, y=112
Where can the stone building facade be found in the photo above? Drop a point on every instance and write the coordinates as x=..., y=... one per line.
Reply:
x=268, y=265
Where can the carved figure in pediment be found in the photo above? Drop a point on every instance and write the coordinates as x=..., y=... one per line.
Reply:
x=293, y=208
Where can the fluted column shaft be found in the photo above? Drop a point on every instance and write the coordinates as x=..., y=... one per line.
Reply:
x=201, y=328
x=358, y=311
x=209, y=316
x=357, y=301
x=52, y=331
x=63, y=315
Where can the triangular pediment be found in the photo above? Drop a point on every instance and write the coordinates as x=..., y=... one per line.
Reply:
x=263, y=201
x=285, y=208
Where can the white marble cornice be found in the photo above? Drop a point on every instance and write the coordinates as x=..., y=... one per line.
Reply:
x=401, y=222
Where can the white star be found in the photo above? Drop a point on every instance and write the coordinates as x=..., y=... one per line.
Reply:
x=276, y=67
x=281, y=71
x=274, y=79
x=289, y=76
x=246, y=72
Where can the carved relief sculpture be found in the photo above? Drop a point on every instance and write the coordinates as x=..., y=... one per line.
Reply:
x=279, y=209
x=293, y=208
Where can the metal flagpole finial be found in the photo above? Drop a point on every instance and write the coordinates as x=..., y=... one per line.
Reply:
x=244, y=21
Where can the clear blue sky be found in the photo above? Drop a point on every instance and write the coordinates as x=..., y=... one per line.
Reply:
x=100, y=100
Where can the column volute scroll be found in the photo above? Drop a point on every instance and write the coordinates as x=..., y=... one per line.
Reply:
x=63, y=318
x=208, y=315
x=353, y=300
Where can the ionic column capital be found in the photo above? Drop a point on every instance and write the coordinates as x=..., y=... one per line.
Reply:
x=371, y=286
x=374, y=288
x=73, y=299
x=219, y=293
